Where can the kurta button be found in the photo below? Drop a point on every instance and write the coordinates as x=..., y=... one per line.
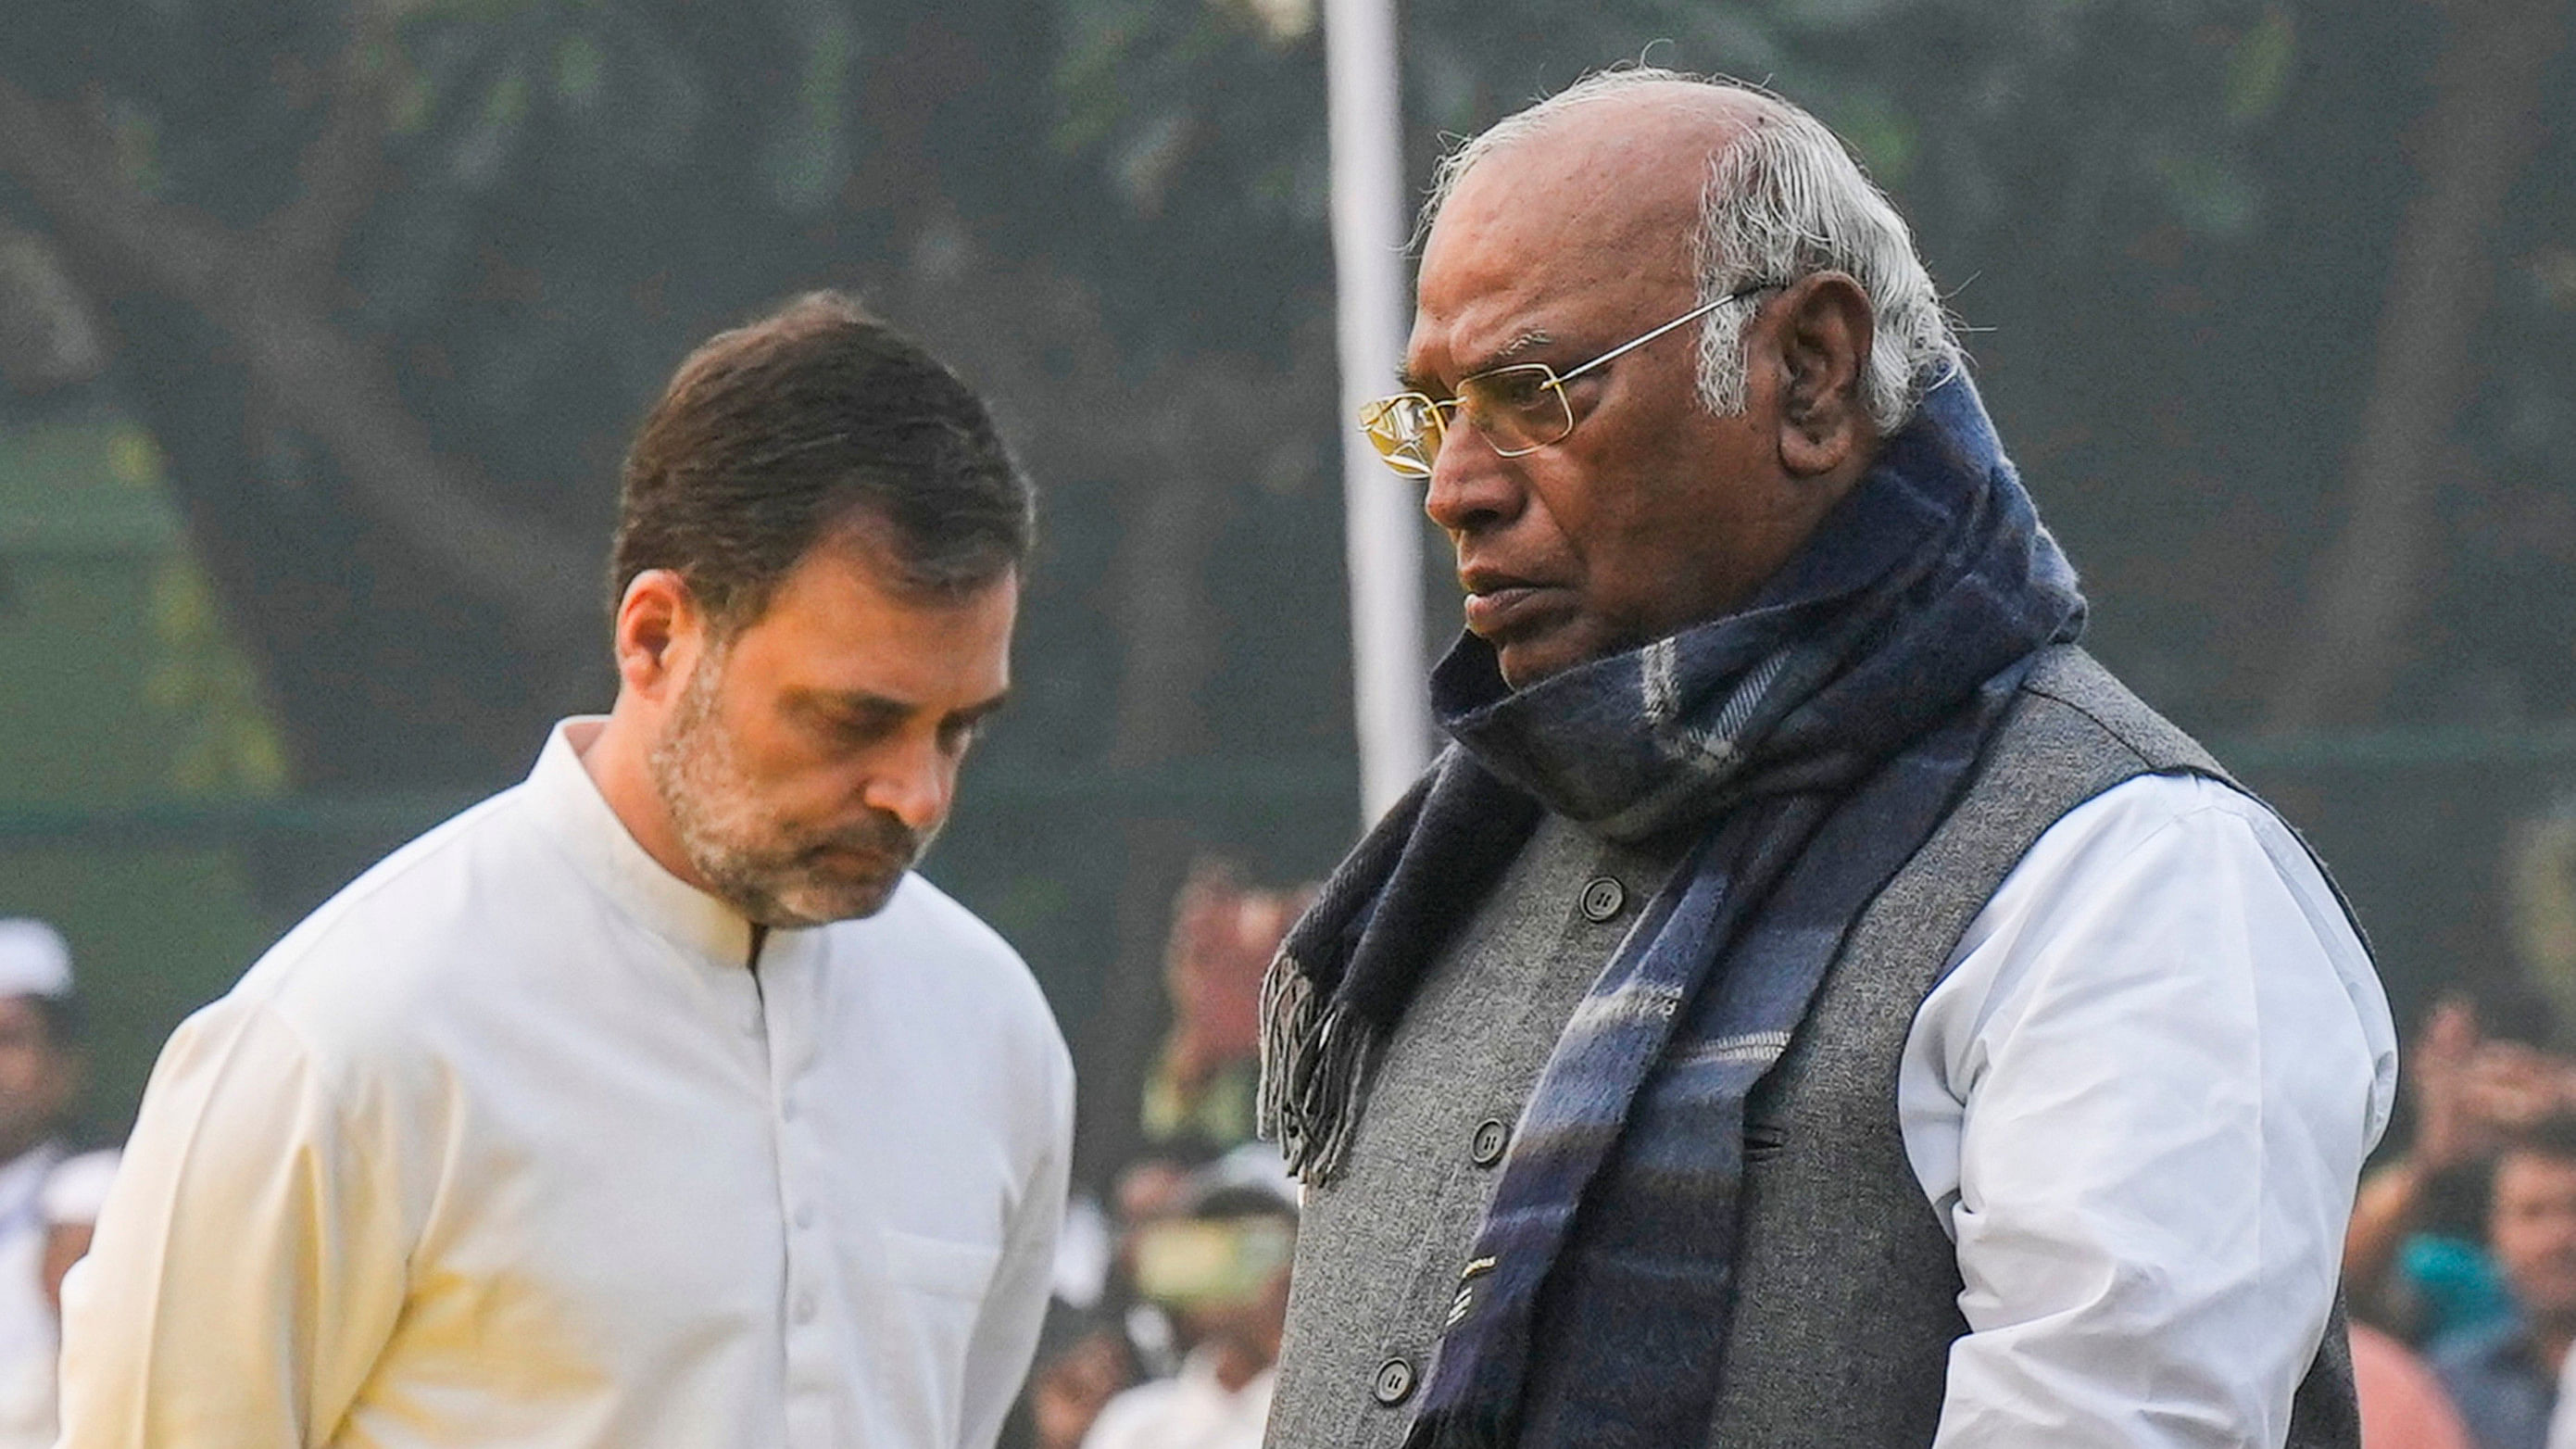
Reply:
x=1491, y=1137
x=1394, y=1382
x=1602, y=898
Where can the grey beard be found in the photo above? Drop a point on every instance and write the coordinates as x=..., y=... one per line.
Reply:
x=774, y=878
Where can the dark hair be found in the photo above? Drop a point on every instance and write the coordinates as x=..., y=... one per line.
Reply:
x=66, y=1023
x=811, y=421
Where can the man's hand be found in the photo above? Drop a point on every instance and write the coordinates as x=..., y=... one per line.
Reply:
x=2472, y=1093
x=2440, y=1072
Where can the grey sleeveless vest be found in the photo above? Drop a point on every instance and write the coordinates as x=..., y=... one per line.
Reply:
x=1847, y=1296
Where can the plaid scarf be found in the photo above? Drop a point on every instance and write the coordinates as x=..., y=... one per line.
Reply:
x=1811, y=742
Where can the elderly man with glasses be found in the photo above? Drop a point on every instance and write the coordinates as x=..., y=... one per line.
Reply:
x=1810, y=1002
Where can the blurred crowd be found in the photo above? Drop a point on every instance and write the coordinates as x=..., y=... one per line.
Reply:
x=1171, y=1294
x=2460, y=1266
x=1172, y=1344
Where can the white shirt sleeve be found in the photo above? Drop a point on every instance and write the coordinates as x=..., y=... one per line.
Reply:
x=248, y=1266
x=1014, y=1308
x=2140, y=1103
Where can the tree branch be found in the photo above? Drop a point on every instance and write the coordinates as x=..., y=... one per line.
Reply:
x=2479, y=133
x=341, y=167
x=330, y=387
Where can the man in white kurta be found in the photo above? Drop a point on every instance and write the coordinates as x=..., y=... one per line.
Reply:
x=515, y=1143
x=537, y=1135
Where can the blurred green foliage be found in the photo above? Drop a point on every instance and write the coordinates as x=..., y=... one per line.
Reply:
x=123, y=689
x=124, y=686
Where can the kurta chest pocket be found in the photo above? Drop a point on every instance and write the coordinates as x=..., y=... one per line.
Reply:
x=940, y=1265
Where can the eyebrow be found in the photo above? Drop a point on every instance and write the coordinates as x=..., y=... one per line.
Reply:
x=1503, y=356
x=878, y=706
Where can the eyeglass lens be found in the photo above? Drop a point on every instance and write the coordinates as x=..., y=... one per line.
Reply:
x=1519, y=409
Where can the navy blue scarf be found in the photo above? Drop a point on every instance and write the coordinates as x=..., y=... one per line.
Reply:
x=1812, y=741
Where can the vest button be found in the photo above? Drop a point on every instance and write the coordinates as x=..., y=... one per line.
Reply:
x=1491, y=1137
x=1394, y=1382
x=1602, y=898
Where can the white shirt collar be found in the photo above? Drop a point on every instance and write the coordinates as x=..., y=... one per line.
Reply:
x=567, y=803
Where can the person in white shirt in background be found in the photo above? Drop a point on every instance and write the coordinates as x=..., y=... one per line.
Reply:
x=41, y=1070
x=67, y=1207
x=1220, y=1265
x=654, y=1103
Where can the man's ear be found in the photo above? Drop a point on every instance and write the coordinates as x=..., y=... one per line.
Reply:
x=1825, y=332
x=659, y=629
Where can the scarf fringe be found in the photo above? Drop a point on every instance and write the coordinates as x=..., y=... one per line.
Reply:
x=1315, y=1058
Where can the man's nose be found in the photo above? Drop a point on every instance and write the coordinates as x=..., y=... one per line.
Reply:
x=913, y=783
x=1471, y=487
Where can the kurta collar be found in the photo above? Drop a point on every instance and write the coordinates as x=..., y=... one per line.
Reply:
x=568, y=801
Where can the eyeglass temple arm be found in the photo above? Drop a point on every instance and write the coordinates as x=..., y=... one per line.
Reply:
x=1693, y=315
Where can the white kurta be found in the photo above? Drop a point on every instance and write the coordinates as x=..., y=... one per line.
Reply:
x=2139, y=1102
x=505, y=1145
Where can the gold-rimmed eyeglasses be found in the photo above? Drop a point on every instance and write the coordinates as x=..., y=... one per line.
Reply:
x=1520, y=408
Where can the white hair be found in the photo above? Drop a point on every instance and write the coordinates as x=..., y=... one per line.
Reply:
x=1783, y=199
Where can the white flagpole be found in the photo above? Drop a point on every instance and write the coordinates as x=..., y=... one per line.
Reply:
x=1382, y=519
